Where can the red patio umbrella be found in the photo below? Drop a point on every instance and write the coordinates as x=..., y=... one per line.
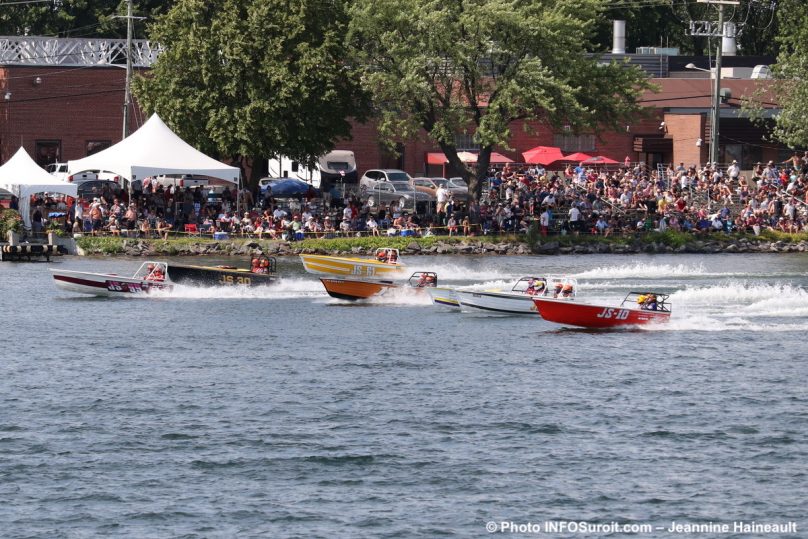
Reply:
x=438, y=158
x=542, y=155
x=599, y=160
x=498, y=158
x=576, y=157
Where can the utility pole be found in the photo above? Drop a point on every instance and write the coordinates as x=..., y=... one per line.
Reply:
x=127, y=93
x=705, y=28
x=716, y=90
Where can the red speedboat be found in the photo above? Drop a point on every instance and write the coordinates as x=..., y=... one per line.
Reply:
x=637, y=309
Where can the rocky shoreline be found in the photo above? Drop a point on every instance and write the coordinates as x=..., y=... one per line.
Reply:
x=146, y=248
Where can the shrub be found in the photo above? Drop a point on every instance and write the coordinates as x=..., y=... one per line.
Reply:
x=10, y=220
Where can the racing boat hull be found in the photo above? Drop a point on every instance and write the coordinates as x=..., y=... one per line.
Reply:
x=217, y=276
x=496, y=302
x=585, y=315
x=353, y=289
x=351, y=267
x=105, y=284
x=444, y=296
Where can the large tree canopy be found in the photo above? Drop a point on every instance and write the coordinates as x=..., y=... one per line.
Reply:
x=77, y=18
x=789, y=87
x=451, y=66
x=254, y=78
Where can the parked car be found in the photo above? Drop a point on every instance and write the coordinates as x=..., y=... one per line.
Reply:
x=456, y=186
x=181, y=180
x=373, y=176
x=402, y=193
x=59, y=170
x=459, y=189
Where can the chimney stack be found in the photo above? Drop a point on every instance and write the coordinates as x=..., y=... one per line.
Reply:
x=728, y=46
x=619, y=38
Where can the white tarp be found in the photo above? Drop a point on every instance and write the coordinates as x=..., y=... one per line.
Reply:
x=152, y=150
x=23, y=177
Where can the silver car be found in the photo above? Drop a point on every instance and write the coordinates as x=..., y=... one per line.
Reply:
x=401, y=193
x=374, y=176
x=458, y=188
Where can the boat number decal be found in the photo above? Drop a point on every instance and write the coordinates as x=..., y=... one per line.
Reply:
x=369, y=271
x=617, y=314
x=231, y=279
x=117, y=286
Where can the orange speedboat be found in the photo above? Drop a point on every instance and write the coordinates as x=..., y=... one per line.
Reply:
x=356, y=289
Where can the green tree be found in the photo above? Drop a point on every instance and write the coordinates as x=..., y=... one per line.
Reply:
x=77, y=18
x=252, y=78
x=788, y=86
x=666, y=23
x=479, y=65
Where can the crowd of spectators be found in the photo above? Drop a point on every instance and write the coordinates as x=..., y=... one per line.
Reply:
x=627, y=199
x=572, y=200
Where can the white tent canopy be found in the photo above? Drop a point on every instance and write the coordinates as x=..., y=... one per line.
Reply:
x=23, y=177
x=152, y=150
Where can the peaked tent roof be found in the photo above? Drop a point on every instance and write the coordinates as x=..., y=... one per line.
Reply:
x=23, y=177
x=152, y=150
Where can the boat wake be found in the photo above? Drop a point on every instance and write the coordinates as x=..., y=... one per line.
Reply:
x=448, y=272
x=641, y=270
x=737, y=305
x=281, y=289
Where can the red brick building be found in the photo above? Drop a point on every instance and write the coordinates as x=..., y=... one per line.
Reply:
x=70, y=109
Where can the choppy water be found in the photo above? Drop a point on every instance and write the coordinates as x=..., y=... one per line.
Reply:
x=284, y=413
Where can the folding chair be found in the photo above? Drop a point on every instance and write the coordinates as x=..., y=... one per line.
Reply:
x=191, y=229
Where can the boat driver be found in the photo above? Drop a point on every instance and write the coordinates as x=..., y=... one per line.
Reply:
x=567, y=290
x=534, y=287
x=155, y=272
x=392, y=257
x=427, y=279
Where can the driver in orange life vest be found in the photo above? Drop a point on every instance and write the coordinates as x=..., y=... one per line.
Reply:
x=382, y=256
x=566, y=290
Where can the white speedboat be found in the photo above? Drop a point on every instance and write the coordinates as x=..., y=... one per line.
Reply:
x=442, y=295
x=517, y=300
x=148, y=278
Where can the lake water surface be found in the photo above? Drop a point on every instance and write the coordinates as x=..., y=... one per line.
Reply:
x=283, y=413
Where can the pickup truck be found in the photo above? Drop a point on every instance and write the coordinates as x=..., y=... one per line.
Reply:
x=59, y=170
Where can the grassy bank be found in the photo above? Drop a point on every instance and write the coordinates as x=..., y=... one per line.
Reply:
x=185, y=245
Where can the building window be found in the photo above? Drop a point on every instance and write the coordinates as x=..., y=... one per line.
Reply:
x=465, y=142
x=574, y=143
x=95, y=146
x=48, y=151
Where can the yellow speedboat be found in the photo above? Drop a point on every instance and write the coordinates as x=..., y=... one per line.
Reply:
x=385, y=264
